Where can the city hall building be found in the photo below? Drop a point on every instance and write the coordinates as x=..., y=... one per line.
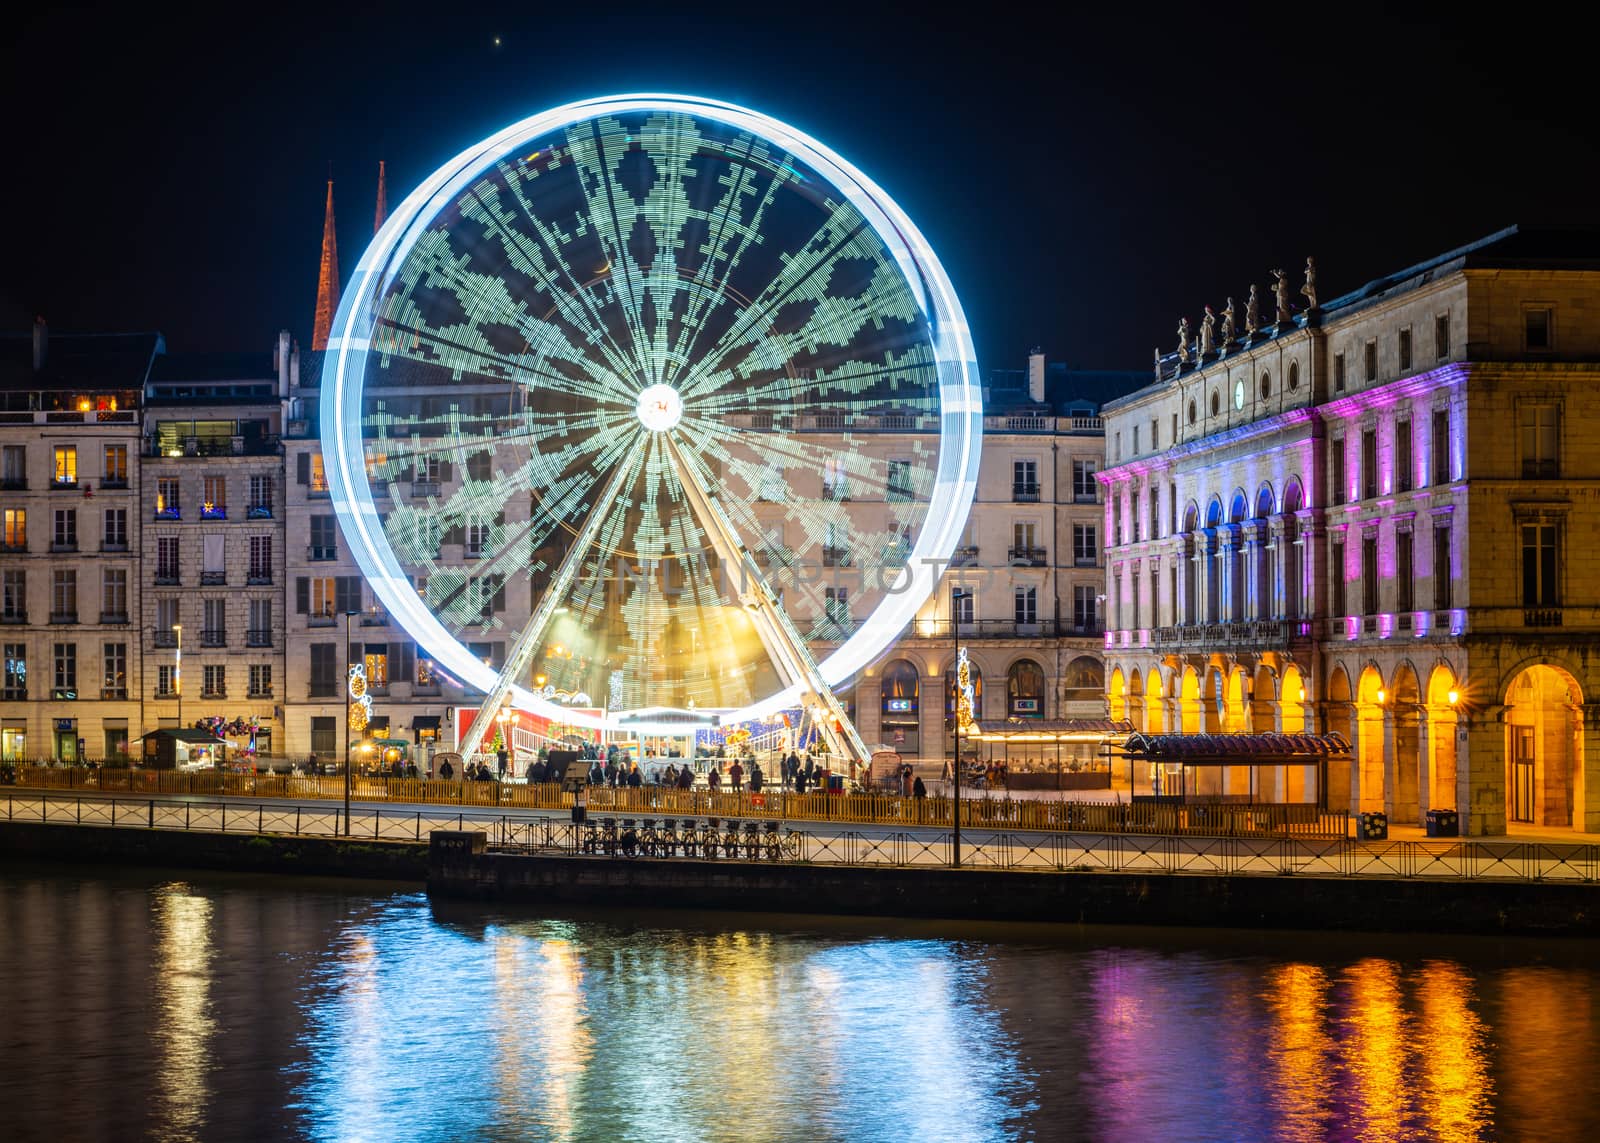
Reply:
x=1371, y=515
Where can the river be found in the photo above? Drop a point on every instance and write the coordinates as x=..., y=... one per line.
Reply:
x=173, y=1006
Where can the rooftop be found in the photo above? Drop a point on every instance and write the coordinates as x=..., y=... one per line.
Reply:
x=79, y=362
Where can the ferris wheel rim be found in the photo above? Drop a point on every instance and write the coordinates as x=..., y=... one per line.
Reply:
x=959, y=393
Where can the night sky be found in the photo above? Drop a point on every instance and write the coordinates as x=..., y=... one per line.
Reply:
x=1086, y=180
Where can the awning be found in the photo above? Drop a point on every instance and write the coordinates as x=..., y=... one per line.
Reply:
x=1050, y=730
x=378, y=726
x=425, y=722
x=202, y=737
x=1236, y=749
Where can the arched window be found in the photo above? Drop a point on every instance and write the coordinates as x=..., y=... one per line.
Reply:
x=1264, y=502
x=976, y=676
x=1025, y=689
x=900, y=687
x=1084, y=680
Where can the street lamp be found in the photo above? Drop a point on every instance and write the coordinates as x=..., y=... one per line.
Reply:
x=345, y=693
x=956, y=596
x=177, y=669
x=504, y=718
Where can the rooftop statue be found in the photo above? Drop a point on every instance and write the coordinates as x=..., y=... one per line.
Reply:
x=1310, y=288
x=1280, y=293
x=1183, y=342
x=1208, y=328
x=1229, y=333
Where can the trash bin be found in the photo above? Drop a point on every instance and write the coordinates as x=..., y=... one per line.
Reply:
x=1374, y=827
x=1443, y=823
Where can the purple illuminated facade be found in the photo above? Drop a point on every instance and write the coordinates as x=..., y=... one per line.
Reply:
x=1360, y=520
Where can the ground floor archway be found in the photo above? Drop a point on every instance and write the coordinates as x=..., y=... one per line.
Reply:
x=1544, y=747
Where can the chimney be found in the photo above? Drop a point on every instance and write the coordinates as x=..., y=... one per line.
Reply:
x=41, y=343
x=294, y=366
x=280, y=361
x=1036, y=376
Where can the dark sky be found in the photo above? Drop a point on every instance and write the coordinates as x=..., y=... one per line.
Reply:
x=1086, y=179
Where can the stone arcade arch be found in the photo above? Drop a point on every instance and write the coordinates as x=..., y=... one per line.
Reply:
x=1025, y=696
x=1136, y=709
x=900, y=711
x=1545, y=779
x=1406, y=729
x=1117, y=695
x=1439, y=762
x=1367, y=790
x=1340, y=718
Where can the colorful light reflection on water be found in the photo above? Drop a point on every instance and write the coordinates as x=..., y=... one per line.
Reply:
x=230, y=1008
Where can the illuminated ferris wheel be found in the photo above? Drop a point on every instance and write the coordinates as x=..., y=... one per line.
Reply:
x=652, y=395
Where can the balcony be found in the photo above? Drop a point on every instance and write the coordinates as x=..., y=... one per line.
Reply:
x=1082, y=497
x=63, y=546
x=165, y=692
x=168, y=577
x=114, y=485
x=60, y=484
x=169, y=512
x=259, y=693
x=113, y=546
x=1249, y=634
x=63, y=617
x=1083, y=560
x=113, y=618
x=318, y=553
x=325, y=620
x=163, y=637
x=323, y=690
x=213, y=579
x=1027, y=557
x=259, y=577
x=964, y=557
x=14, y=617
x=258, y=512
x=1541, y=617
x=213, y=692
x=422, y=489
x=258, y=637
x=116, y=694
x=214, y=637
x=65, y=694
x=990, y=629
x=14, y=694
x=16, y=484
x=20, y=546
x=425, y=690
x=1025, y=493
x=213, y=512
x=375, y=618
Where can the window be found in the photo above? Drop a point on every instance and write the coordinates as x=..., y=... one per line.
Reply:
x=1116, y=452
x=1025, y=605
x=479, y=468
x=214, y=623
x=1537, y=329
x=773, y=485
x=1539, y=587
x=65, y=474
x=260, y=680
x=1085, y=553
x=115, y=471
x=1404, y=567
x=259, y=633
x=1338, y=372
x=963, y=605
x=166, y=620
x=347, y=594
x=1372, y=362
x=114, y=669
x=1405, y=351
x=835, y=485
x=14, y=467
x=1539, y=430
x=1336, y=468
x=16, y=529
x=315, y=596
x=1369, y=575
x=318, y=481
x=168, y=504
x=114, y=595
x=65, y=538
x=1441, y=446
x=1155, y=434
x=166, y=559
x=425, y=676
x=1403, y=473
x=64, y=595
x=1135, y=440
x=1191, y=412
x=1174, y=428
x=1441, y=569
x=66, y=657
x=1441, y=336
x=477, y=541
x=836, y=606
x=1024, y=543
x=14, y=596
x=1338, y=584
x=115, y=536
x=1085, y=488
x=1294, y=376
x=166, y=680
x=1025, y=479
x=260, y=560
x=214, y=501
x=376, y=659
x=1085, y=609
x=899, y=489
x=835, y=548
x=324, y=544
x=260, y=506
x=1369, y=463
x=16, y=672
x=324, y=670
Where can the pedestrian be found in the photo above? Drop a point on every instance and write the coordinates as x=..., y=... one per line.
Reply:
x=905, y=779
x=918, y=790
x=736, y=776
x=714, y=778
x=446, y=771
x=502, y=758
x=757, y=779
x=597, y=776
x=686, y=777
x=799, y=781
x=635, y=778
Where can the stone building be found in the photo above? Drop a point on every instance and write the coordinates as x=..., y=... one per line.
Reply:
x=69, y=552
x=1368, y=516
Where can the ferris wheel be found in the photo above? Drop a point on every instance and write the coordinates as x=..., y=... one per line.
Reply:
x=646, y=397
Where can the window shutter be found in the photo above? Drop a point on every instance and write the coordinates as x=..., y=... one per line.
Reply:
x=302, y=468
x=500, y=595
x=498, y=654
x=446, y=471
x=404, y=664
x=302, y=595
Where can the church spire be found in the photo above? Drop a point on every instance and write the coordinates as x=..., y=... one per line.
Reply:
x=327, y=280
x=383, y=203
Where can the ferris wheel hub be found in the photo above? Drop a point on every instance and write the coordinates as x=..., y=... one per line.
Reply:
x=660, y=408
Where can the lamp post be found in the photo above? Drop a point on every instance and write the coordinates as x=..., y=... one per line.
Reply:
x=177, y=669
x=956, y=596
x=345, y=693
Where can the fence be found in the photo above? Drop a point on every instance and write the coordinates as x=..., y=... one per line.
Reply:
x=981, y=848
x=1228, y=820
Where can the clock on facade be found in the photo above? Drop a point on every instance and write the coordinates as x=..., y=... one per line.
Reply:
x=1238, y=393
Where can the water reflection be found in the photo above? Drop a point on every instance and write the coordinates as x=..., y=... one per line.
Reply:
x=184, y=1025
x=353, y=1015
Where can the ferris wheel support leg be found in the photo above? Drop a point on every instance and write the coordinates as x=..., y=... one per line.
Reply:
x=521, y=652
x=776, y=630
